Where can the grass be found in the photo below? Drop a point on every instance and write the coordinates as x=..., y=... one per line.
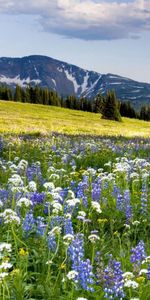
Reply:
x=68, y=206
x=19, y=118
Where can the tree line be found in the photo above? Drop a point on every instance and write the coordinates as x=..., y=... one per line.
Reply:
x=109, y=106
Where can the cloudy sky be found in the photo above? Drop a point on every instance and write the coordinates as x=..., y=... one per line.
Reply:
x=108, y=36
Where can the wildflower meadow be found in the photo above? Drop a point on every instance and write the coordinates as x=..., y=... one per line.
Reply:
x=74, y=218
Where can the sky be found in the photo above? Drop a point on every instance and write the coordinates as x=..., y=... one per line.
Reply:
x=107, y=36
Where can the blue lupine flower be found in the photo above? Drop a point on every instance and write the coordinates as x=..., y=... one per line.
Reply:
x=68, y=228
x=81, y=266
x=96, y=191
x=85, y=275
x=51, y=242
x=148, y=273
x=34, y=172
x=113, y=280
x=37, y=198
x=120, y=205
x=56, y=221
x=29, y=223
x=138, y=254
x=144, y=197
x=128, y=207
x=40, y=226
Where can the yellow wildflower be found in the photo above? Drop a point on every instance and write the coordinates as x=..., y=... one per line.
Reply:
x=23, y=252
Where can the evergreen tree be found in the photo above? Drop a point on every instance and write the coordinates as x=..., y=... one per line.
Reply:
x=126, y=110
x=145, y=113
x=110, y=109
x=18, y=93
x=99, y=103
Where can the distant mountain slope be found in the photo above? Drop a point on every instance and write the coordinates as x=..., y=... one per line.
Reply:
x=68, y=79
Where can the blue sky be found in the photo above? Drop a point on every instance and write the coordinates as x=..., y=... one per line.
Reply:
x=105, y=36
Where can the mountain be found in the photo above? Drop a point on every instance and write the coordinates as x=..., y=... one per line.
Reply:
x=68, y=79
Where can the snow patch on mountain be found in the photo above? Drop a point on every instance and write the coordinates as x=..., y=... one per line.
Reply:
x=36, y=71
x=59, y=69
x=72, y=78
x=84, y=85
x=18, y=80
x=115, y=83
x=54, y=82
x=91, y=88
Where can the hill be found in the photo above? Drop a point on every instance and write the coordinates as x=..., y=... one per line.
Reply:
x=67, y=79
x=31, y=118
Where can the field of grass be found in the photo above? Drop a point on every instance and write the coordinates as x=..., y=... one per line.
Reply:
x=74, y=205
x=74, y=218
x=29, y=118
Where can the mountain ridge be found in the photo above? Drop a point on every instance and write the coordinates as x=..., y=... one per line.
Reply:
x=69, y=79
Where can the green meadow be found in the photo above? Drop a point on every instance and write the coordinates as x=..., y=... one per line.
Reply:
x=19, y=118
x=74, y=205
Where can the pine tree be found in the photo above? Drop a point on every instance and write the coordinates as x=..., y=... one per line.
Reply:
x=126, y=110
x=99, y=103
x=18, y=93
x=110, y=109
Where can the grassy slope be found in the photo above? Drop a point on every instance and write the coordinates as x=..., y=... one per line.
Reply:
x=31, y=118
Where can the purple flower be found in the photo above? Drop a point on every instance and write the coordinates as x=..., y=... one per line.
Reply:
x=83, y=267
x=138, y=255
x=37, y=198
x=28, y=223
x=68, y=228
x=113, y=280
x=128, y=207
x=144, y=197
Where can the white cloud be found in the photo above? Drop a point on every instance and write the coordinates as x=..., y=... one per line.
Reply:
x=86, y=19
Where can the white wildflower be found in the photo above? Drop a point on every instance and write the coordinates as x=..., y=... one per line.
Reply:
x=55, y=231
x=57, y=207
x=134, y=175
x=24, y=202
x=146, y=260
x=127, y=226
x=16, y=159
x=68, y=216
x=49, y=186
x=143, y=271
x=82, y=213
x=72, y=202
x=51, y=169
x=71, y=194
x=54, y=177
x=13, y=168
x=72, y=274
x=49, y=262
x=3, y=275
x=93, y=238
x=145, y=175
x=128, y=275
x=22, y=164
x=5, y=265
x=5, y=247
x=57, y=189
x=135, y=222
x=68, y=237
x=131, y=283
x=32, y=186
x=56, y=197
x=10, y=216
x=96, y=206
x=81, y=298
x=108, y=164
x=15, y=181
x=91, y=171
